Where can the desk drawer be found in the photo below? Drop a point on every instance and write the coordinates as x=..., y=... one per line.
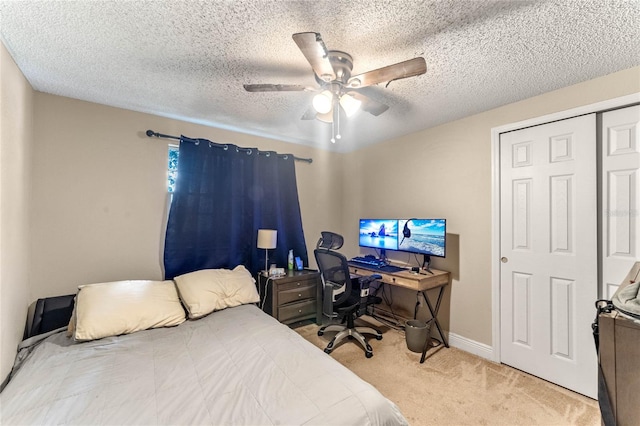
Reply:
x=307, y=291
x=297, y=310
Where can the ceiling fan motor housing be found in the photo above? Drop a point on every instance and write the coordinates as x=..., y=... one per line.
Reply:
x=342, y=64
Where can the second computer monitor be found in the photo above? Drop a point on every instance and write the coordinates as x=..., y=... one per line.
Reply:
x=379, y=233
x=423, y=236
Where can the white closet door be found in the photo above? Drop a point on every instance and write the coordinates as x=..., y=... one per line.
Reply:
x=620, y=195
x=548, y=277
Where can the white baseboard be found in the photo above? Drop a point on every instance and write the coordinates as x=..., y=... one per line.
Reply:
x=471, y=346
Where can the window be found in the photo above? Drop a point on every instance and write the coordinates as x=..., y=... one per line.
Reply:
x=172, y=171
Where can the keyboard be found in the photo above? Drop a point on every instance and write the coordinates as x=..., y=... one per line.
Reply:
x=368, y=261
x=391, y=268
x=373, y=263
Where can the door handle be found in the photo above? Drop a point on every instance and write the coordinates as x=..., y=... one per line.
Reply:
x=504, y=259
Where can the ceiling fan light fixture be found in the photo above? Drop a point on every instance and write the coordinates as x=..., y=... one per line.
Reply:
x=350, y=104
x=325, y=118
x=322, y=102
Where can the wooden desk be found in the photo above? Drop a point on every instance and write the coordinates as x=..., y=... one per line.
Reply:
x=420, y=283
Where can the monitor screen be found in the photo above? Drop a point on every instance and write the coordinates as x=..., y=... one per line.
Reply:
x=423, y=236
x=379, y=233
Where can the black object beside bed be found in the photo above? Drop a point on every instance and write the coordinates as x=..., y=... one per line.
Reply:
x=50, y=314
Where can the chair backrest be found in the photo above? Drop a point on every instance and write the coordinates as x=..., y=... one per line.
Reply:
x=330, y=240
x=334, y=269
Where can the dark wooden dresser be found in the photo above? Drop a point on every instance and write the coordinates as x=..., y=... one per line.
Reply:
x=620, y=360
x=291, y=298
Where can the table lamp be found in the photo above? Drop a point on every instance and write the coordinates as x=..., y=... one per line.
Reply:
x=267, y=240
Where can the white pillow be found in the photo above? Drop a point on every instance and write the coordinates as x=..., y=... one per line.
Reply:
x=122, y=307
x=208, y=290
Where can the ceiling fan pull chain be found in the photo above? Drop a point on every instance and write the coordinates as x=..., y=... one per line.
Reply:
x=337, y=114
x=333, y=131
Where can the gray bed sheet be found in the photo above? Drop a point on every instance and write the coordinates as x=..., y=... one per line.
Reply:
x=238, y=366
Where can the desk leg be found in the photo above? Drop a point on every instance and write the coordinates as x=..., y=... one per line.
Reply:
x=434, y=314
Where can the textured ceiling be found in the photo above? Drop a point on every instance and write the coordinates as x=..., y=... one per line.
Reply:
x=189, y=60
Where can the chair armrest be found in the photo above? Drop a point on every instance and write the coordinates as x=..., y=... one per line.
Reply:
x=365, y=281
x=327, y=297
x=331, y=285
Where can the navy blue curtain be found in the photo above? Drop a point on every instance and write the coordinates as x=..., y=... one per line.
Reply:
x=222, y=197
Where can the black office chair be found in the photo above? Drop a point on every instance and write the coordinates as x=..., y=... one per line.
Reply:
x=343, y=297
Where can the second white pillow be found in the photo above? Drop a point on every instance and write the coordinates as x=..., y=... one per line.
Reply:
x=208, y=290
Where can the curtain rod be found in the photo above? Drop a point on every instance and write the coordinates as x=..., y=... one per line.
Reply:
x=151, y=133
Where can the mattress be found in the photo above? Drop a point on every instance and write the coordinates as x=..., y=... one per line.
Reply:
x=237, y=366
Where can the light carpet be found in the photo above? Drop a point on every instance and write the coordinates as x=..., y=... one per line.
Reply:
x=454, y=387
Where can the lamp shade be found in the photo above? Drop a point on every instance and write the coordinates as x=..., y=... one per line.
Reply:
x=349, y=104
x=322, y=102
x=267, y=238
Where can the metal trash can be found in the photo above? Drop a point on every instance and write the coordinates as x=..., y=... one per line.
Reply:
x=417, y=333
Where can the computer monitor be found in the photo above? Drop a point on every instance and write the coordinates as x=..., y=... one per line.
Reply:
x=423, y=236
x=379, y=234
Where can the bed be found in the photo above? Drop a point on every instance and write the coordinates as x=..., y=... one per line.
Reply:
x=234, y=366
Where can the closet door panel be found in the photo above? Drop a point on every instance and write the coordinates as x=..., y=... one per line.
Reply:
x=620, y=195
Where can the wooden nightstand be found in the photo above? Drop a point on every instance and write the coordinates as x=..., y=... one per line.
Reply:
x=293, y=297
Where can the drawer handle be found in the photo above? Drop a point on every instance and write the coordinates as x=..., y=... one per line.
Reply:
x=298, y=284
x=299, y=310
x=299, y=294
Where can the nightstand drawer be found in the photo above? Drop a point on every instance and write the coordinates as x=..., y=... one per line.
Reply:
x=299, y=283
x=307, y=291
x=297, y=310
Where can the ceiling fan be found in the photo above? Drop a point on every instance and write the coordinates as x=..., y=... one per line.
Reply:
x=338, y=88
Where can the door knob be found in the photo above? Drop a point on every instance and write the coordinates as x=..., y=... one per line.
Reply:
x=504, y=259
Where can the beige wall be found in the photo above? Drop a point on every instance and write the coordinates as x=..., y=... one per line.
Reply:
x=445, y=172
x=16, y=113
x=99, y=191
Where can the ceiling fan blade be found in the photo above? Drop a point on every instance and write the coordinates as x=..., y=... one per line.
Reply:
x=316, y=52
x=276, y=88
x=410, y=68
x=372, y=107
x=309, y=114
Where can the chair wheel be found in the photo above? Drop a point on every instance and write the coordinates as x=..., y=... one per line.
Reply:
x=368, y=354
x=320, y=332
x=327, y=350
x=378, y=337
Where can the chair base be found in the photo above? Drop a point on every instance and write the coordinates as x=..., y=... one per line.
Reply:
x=353, y=332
